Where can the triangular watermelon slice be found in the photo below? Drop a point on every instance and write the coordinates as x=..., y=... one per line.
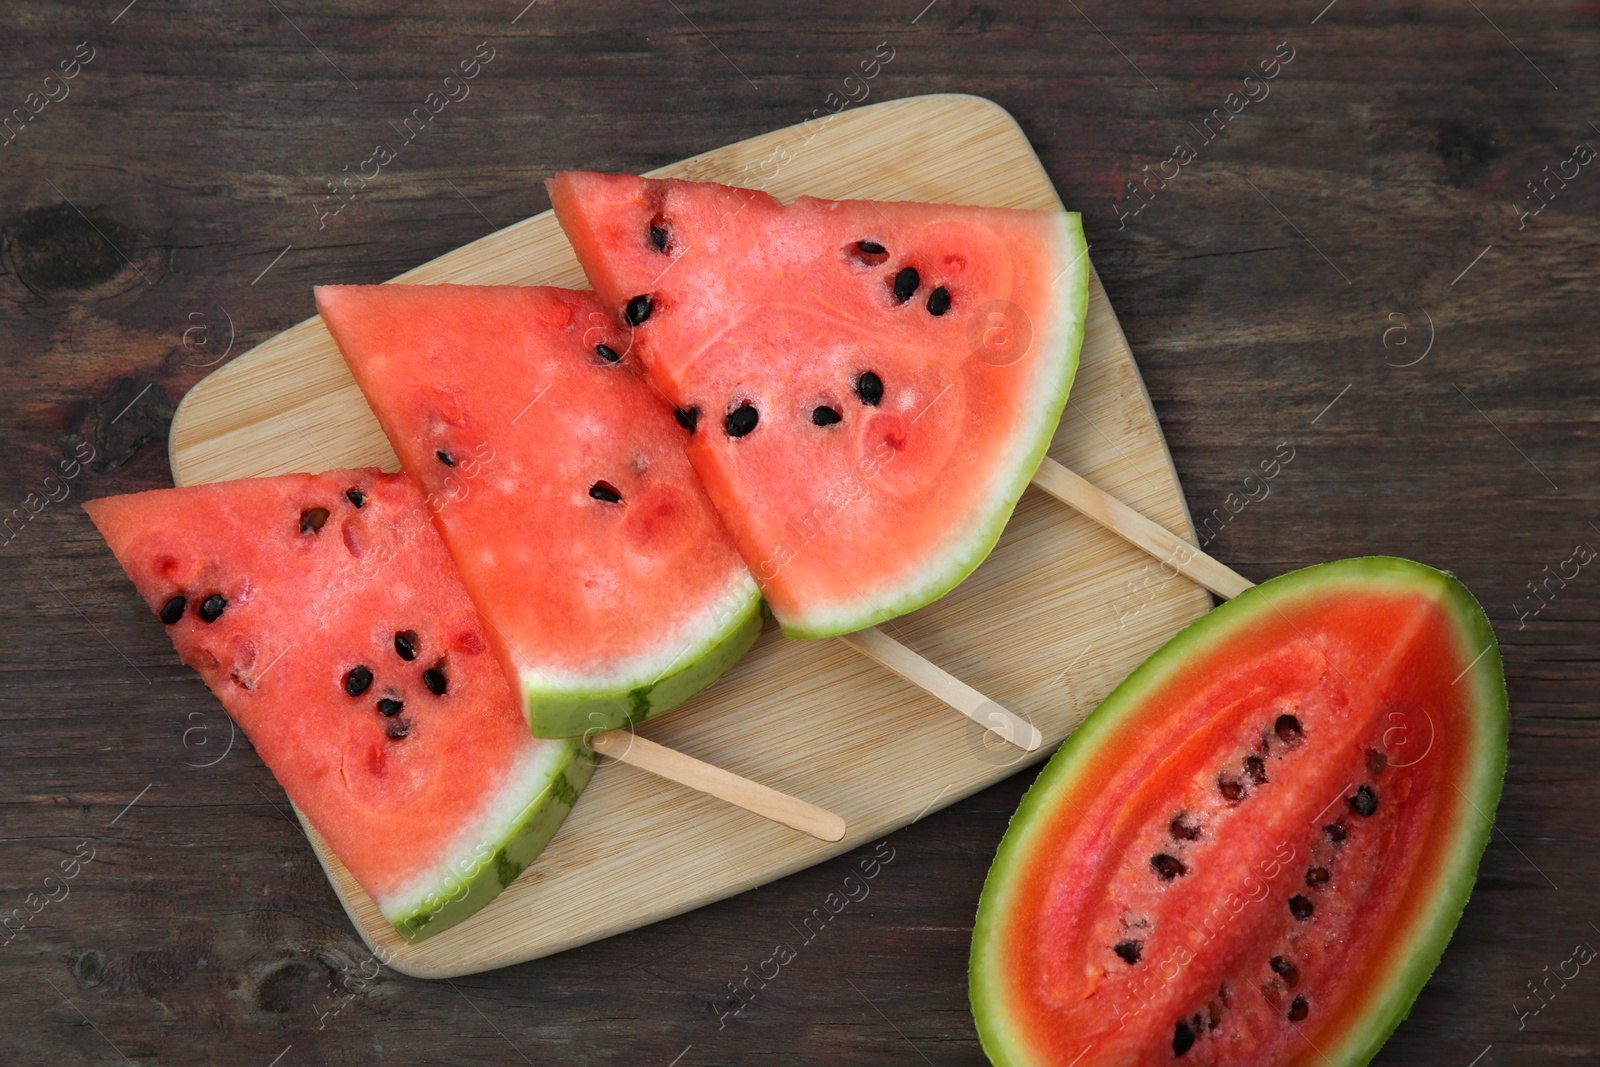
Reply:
x=871, y=384
x=327, y=616
x=559, y=482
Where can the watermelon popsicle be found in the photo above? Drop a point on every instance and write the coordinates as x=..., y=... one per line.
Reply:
x=326, y=615
x=559, y=483
x=978, y=304
x=869, y=385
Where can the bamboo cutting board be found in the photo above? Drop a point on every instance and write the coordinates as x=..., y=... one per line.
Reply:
x=1056, y=616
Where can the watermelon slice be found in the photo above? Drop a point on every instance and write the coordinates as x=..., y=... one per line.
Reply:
x=870, y=385
x=559, y=482
x=1255, y=850
x=328, y=618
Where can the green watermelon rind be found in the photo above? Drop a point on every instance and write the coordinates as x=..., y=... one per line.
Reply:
x=1395, y=992
x=948, y=570
x=565, y=711
x=500, y=851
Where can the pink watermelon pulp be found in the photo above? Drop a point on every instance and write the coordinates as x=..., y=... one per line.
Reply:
x=1255, y=850
x=871, y=384
x=328, y=618
x=559, y=482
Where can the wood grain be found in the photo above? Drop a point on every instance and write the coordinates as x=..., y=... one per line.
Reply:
x=1034, y=628
x=627, y=747
x=1161, y=544
x=945, y=687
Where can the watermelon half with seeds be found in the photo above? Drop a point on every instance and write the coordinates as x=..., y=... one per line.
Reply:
x=1255, y=850
x=870, y=385
x=328, y=618
x=559, y=481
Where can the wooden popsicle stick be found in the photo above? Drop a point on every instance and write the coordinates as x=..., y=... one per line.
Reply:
x=877, y=645
x=1076, y=492
x=627, y=747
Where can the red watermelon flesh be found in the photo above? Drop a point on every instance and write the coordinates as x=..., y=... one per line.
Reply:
x=1254, y=851
x=559, y=482
x=871, y=384
x=328, y=618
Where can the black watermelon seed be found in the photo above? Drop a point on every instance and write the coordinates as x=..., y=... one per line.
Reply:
x=939, y=301
x=825, y=416
x=1197, y=1022
x=658, y=237
x=172, y=610
x=638, y=309
x=1214, y=1011
x=1167, y=867
x=741, y=420
x=1336, y=832
x=1183, y=828
x=312, y=519
x=869, y=389
x=405, y=645
x=1182, y=1039
x=905, y=284
x=1130, y=951
x=1255, y=769
x=605, y=491
x=687, y=419
x=1232, y=789
x=435, y=680
x=355, y=497
x=1301, y=907
x=1364, y=803
x=1298, y=1010
x=444, y=457
x=390, y=707
x=1286, y=970
x=607, y=353
x=1376, y=761
x=1288, y=729
x=1317, y=876
x=397, y=728
x=357, y=681
x=211, y=607
x=870, y=248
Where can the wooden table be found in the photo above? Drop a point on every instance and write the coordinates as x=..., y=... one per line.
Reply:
x=1350, y=268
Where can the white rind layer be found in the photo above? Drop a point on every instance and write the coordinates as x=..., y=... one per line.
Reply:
x=686, y=645
x=536, y=781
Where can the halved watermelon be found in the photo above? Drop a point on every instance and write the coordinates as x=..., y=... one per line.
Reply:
x=1255, y=850
x=871, y=385
x=558, y=480
x=328, y=618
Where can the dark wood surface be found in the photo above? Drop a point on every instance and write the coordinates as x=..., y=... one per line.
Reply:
x=1276, y=274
